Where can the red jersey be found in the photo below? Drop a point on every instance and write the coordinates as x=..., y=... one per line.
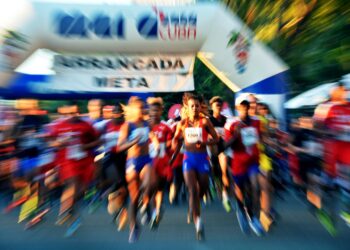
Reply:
x=245, y=148
x=335, y=117
x=73, y=160
x=111, y=136
x=164, y=134
x=161, y=161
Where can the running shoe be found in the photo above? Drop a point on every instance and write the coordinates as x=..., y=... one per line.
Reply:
x=255, y=225
x=326, y=221
x=227, y=205
x=266, y=221
x=36, y=219
x=93, y=206
x=153, y=223
x=63, y=218
x=199, y=230
x=242, y=221
x=346, y=217
x=212, y=191
x=74, y=226
x=134, y=234
x=145, y=215
x=123, y=219
x=90, y=193
x=226, y=202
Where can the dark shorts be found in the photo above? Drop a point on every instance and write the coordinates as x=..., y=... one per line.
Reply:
x=113, y=162
x=240, y=180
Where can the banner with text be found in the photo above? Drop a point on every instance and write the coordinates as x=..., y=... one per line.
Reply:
x=121, y=73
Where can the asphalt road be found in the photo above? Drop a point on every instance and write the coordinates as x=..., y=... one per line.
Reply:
x=297, y=229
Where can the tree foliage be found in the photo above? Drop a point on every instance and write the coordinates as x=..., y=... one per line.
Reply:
x=311, y=36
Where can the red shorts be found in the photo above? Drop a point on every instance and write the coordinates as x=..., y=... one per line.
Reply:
x=178, y=161
x=162, y=167
x=336, y=152
x=294, y=167
x=240, y=163
x=83, y=170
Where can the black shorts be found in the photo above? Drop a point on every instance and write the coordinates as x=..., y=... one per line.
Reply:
x=113, y=162
x=221, y=145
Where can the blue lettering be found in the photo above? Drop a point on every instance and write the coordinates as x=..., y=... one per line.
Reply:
x=101, y=26
x=72, y=26
x=192, y=19
x=80, y=26
x=147, y=26
x=183, y=20
x=175, y=20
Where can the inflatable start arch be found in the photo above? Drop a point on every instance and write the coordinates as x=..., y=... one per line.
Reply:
x=53, y=50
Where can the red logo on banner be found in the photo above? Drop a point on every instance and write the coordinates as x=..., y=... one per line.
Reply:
x=174, y=111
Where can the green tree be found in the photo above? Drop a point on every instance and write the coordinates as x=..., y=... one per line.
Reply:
x=311, y=36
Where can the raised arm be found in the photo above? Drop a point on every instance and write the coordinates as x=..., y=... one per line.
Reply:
x=123, y=143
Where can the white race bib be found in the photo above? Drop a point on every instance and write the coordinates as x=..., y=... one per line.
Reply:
x=142, y=132
x=46, y=158
x=220, y=131
x=111, y=140
x=344, y=135
x=249, y=136
x=74, y=152
x=229, y=152
x=193, y=135
x=153, y=150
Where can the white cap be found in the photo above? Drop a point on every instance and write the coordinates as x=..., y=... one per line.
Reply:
x=242, y=97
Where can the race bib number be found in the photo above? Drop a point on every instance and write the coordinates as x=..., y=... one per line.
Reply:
x=220, y=131
x=249, y=136
x=344, y=133
x=182, y=149
x=193, y=135
x=29, y=142
x=74, y=152
x=111, y=140
x=229, y=152
x=46, y=158
x=157, y=151
x=143, y=133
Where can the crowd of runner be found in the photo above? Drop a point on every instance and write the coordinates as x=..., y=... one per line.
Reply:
x=125, y=158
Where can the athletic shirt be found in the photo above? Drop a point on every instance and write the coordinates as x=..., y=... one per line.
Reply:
x=195, y=134
x=77, y=134
x=245, y=148
x=336, y=117
x=135, y=131
x=219, y=125
x=164, y=134
x=111, y=136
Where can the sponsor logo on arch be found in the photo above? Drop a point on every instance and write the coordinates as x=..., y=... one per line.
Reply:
x=158, y=24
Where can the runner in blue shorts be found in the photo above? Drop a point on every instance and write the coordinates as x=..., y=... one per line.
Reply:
x=194, y=130
x=134, y=137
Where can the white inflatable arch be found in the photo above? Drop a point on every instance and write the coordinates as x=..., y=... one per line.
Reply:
x=54, y=50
